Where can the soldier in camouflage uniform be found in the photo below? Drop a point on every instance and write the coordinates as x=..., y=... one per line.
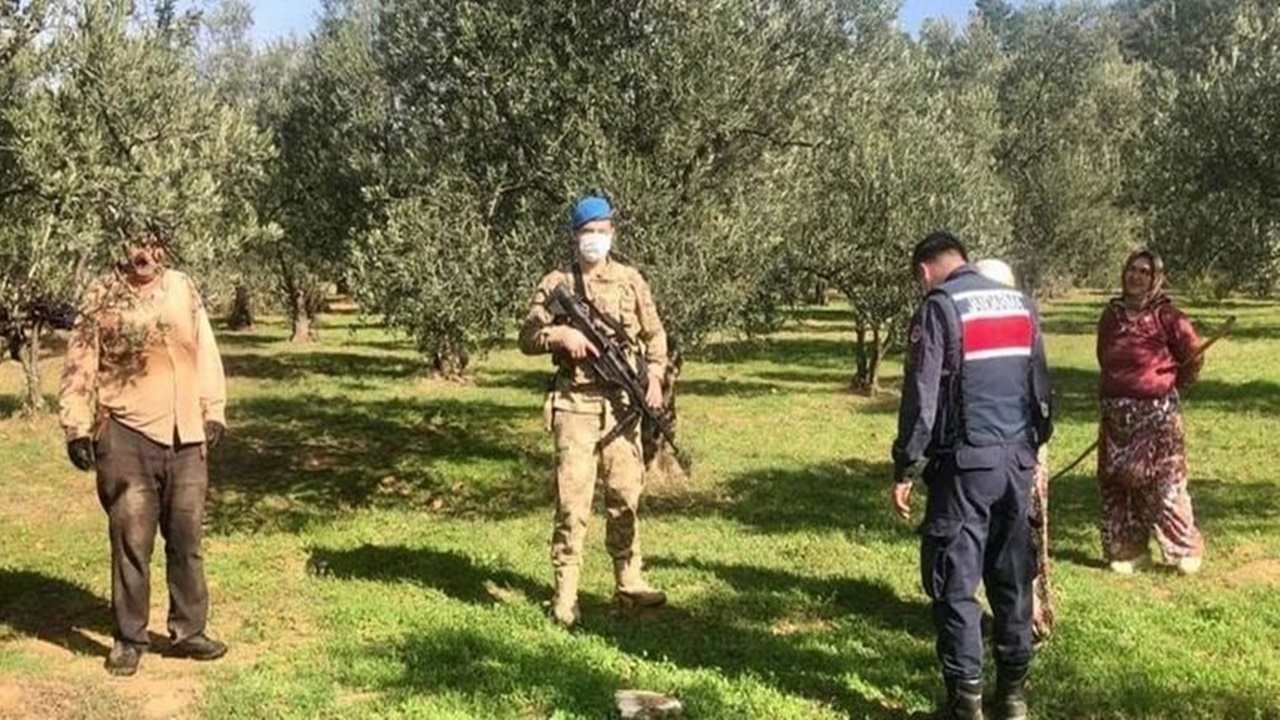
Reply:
x=581, y=413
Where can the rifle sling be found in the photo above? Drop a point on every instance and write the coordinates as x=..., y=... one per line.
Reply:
x=580, y=288
x=624, y=424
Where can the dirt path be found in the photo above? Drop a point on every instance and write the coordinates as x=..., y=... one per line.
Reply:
x=74, y=685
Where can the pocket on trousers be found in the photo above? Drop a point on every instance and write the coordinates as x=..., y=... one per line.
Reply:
x=987, y=457
x=1027, y=458
x=938, y=536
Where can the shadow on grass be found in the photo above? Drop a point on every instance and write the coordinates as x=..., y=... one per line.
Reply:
x=290, y=460
x=11, y=405
x=790, y=350
x=1241, y=508
x=874, y=602
x=536, y=381
x=1075, y=323
x=838, y=379
x=832, y=313
x=848, y=643
x=452, y=573
x=790, y=382
x=850, y=496
x=234, y=340
x=725, y=387
x=1260, y=396
x=532, y=381
x=1230, y=508
x=1075, y=392
x=393, y=341
x=327, y=363
x=1081, y=318
x=746, y=633
x=503, y=675
x=1066, y=691
x=53, y=610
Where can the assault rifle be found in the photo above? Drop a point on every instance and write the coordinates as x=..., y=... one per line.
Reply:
x=611, y=366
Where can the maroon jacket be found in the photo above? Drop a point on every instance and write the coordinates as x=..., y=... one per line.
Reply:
x=1144, y=357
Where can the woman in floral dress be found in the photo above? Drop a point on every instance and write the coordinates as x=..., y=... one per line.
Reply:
x=1147, y=350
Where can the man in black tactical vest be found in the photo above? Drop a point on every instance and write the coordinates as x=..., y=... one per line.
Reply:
x=975, y=407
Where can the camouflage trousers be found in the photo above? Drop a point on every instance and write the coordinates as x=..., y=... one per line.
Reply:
x=579, y=463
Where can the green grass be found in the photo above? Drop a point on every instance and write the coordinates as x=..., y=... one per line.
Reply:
x=377, y=546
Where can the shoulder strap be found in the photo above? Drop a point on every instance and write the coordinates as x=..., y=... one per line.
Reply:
x=580, y=289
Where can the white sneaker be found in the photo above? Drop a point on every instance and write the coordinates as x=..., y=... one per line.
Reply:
x=1123, y=567
x=1128, y=567
x=1190, y=565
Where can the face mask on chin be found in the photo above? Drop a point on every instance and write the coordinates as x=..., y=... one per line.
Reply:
x=594, y=246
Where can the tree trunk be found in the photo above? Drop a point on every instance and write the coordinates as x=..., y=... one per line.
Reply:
x=241, y=310
x=302, y=312
x=819, y=290
x=877, y=357
x=303, y=319
x=34, y=402
x=862, y=370
x=450, y=361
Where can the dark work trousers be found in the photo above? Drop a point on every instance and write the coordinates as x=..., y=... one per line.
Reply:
x=977, y=527
x=143, y=485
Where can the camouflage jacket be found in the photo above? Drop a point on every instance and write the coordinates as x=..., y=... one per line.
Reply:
x=622, y=294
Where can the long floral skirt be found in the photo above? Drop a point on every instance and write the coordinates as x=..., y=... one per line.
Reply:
x=1142, y=479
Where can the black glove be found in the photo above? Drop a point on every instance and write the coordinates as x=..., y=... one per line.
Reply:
x=213, y=432
x=80, y=451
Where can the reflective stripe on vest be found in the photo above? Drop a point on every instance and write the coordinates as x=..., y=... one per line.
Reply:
x=994, y=324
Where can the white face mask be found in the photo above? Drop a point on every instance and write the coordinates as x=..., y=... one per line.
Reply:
x=594, y=246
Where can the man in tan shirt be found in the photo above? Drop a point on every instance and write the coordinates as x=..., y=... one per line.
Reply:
x=142, y=399
x=583, y=417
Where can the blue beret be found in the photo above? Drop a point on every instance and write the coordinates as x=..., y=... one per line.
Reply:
x=589, y=209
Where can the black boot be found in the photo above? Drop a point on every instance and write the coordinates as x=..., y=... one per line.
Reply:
x=199, y=647
x=964, y=700
x=124, y=657
x=1011, y=696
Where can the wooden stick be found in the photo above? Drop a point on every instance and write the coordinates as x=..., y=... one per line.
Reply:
x=1222, y=332
x=1044, y=616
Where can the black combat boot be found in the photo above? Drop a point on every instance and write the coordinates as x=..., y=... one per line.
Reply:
x=1011, y=696
x=964, y=700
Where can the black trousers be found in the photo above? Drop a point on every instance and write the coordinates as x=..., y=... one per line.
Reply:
x=977, y=528
x=143, y=485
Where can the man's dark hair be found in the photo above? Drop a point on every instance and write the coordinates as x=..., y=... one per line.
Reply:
x=935, y=245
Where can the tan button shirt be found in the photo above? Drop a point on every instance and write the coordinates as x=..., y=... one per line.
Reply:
x=146, y=357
